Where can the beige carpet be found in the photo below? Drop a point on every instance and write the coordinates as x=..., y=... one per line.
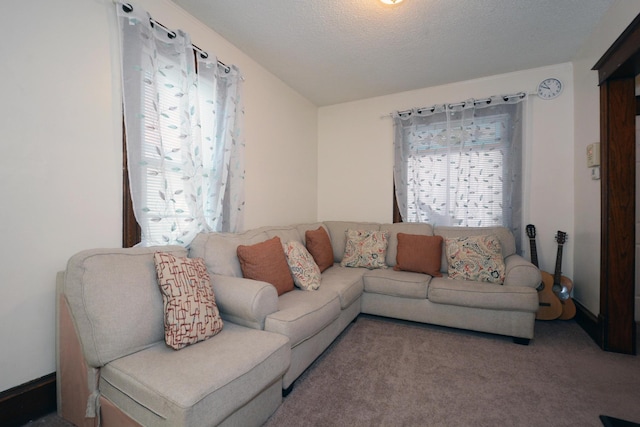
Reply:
x=383, y=372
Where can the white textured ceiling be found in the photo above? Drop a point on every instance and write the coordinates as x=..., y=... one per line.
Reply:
x=334, y=51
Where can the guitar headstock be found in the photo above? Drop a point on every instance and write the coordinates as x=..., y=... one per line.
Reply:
x=531, y=231
x=561, y=237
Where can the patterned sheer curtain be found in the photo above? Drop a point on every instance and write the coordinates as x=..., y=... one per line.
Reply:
x=183, y=122
x=461, y=164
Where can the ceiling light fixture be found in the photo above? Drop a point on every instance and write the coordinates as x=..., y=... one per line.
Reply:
x=391, y=1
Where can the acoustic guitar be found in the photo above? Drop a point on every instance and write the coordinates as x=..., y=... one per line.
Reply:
x=550, y=307
x=562, y=286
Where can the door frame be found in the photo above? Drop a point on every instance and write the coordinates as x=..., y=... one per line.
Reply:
x=617, y=69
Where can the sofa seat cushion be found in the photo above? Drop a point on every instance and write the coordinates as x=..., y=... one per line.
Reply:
x=302, y=314
x=346, y=282
x=467, y=293
x=397, y=283
x=201, y=384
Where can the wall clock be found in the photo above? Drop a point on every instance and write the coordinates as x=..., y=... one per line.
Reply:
x=549, y=88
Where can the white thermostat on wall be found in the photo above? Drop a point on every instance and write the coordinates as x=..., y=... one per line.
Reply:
x=549, y=88
x=593, y=155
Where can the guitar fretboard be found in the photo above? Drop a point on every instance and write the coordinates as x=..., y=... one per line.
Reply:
x=557, y=275
x=534, y=252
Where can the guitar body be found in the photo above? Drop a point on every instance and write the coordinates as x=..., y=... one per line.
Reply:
x=568, y=307
x=562, y=285
x=550, y=306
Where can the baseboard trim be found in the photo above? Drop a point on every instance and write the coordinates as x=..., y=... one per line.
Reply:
x=28, y=401
x=589, y=322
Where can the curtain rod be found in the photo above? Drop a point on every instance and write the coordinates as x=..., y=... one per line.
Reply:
x=172, y=34
x=458, y=104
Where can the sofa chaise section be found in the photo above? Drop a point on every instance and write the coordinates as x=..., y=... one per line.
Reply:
x=113, y=360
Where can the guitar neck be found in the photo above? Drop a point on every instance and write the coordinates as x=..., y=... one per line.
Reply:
x=557, y=276
x=534, y=252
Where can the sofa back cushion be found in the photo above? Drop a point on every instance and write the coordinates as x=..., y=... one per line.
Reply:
x=286, y=234
x=419, y=228
x=219, y=250
x=115, y=301
x=507, y=241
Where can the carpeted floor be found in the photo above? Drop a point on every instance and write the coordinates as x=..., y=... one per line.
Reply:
x=383, y=372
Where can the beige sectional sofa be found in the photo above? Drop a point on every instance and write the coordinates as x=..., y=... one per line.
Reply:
x=273, y=338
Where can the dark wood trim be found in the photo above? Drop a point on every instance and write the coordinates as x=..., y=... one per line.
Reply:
x=618, y=195
x=622, y=59
x=131, y=232
x=637, y=105
x=396, y=210
x=589, y=322
x=29, y=401
x=617, y=70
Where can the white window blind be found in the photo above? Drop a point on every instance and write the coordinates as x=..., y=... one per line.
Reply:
x=163, y=177
x=461, y=164
x=476, y=165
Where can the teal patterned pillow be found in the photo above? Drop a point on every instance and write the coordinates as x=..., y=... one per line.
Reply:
x=365, y=248
x=476, y=258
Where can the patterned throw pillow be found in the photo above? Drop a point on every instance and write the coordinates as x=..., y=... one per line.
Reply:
x=319, y=246
x=475, y=258
x=190, y=311
x=265, y=261
x=365, y=248
x=305, y=271
x=418, y=253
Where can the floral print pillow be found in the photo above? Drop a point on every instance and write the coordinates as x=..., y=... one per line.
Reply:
x=305, y=271
x=365, y=248
x=476, y=258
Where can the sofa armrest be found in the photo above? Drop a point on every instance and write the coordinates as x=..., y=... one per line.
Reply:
x=244, y=301
x=520, y=272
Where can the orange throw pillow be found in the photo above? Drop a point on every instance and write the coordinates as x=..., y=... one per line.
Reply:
x=418, y=253
x=319, y=246
x=265, y=261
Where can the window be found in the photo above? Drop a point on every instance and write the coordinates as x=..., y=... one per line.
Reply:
x=460, y=165
x=477, y=168
x=184, y=151
x=159, y=173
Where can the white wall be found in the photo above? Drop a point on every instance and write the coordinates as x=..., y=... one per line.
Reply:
x=587, y=131
x=355, y=154
x=60, y=169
